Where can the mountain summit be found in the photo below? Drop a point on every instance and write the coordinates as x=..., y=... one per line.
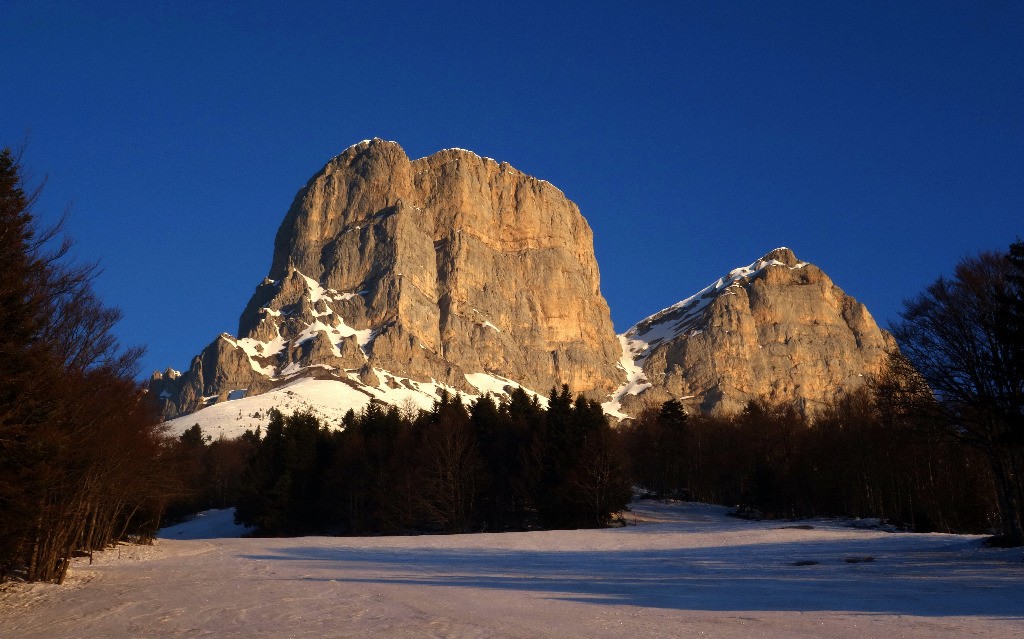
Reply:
x=390, y=272
x=778, y=329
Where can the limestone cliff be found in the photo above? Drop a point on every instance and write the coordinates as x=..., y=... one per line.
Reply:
x=778, y=329
x=426, y=270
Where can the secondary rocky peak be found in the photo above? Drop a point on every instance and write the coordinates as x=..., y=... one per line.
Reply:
x=778, y=329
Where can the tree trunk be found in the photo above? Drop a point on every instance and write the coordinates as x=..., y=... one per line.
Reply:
x=1006, y=493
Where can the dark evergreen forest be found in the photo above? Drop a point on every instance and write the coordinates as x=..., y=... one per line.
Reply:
x=516, y=466
x=484, y=467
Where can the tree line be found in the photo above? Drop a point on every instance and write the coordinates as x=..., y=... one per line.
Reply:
x=486, y=466
x=513, y=465
x=82, y=460
x=855, y=460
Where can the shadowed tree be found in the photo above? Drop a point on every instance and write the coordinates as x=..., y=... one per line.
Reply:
x=452, y=466
x=81, y=459
x=959, y=334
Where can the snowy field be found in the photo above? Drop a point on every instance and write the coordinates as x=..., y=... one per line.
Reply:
x=685, y=570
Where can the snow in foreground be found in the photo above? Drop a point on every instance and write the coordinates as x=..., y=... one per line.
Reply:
x=684, y=570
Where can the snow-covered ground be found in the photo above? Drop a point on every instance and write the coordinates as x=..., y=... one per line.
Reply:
x=210, y=524
x=685, y=570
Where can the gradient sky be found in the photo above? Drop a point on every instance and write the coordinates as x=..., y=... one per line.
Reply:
x=882, y=141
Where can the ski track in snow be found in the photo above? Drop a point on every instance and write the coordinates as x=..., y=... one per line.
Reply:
x=685, y=570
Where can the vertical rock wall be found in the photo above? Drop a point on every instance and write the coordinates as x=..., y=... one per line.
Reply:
x=449, y=264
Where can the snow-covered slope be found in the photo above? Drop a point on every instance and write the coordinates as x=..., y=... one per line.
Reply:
x=329, y=399
x=685, y=570
x=209, y=524
x=303, y=356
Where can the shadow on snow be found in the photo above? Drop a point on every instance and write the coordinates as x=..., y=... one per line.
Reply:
x=906, y=575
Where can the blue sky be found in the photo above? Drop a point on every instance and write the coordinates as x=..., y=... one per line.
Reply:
x=882, y=141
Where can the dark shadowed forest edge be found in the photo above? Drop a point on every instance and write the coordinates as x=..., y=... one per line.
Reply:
x=82, y=460
x=936, y=443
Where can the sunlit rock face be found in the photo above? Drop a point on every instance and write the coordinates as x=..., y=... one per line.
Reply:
x=778, y=329
x=427, y=270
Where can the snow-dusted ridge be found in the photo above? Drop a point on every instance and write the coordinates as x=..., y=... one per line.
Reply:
x=336, y=330
x=674, y=321
x=455, y=149
x=461, y=150
x=323, y=389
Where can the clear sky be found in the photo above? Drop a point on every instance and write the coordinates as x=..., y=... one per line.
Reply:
x=882, y=141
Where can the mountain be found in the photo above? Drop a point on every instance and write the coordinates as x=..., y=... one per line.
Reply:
x=395, y=279
x=778, y=329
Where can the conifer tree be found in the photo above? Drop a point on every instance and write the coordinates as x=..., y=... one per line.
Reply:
x=81, y=461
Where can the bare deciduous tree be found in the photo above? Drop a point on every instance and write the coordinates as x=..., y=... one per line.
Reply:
x=954, y=336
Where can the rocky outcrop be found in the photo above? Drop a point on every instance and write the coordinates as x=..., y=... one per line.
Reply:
x=779, y=329
x=427, y=269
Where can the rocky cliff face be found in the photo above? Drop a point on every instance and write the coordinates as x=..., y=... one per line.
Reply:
x=387, y=269
x=778, y=329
